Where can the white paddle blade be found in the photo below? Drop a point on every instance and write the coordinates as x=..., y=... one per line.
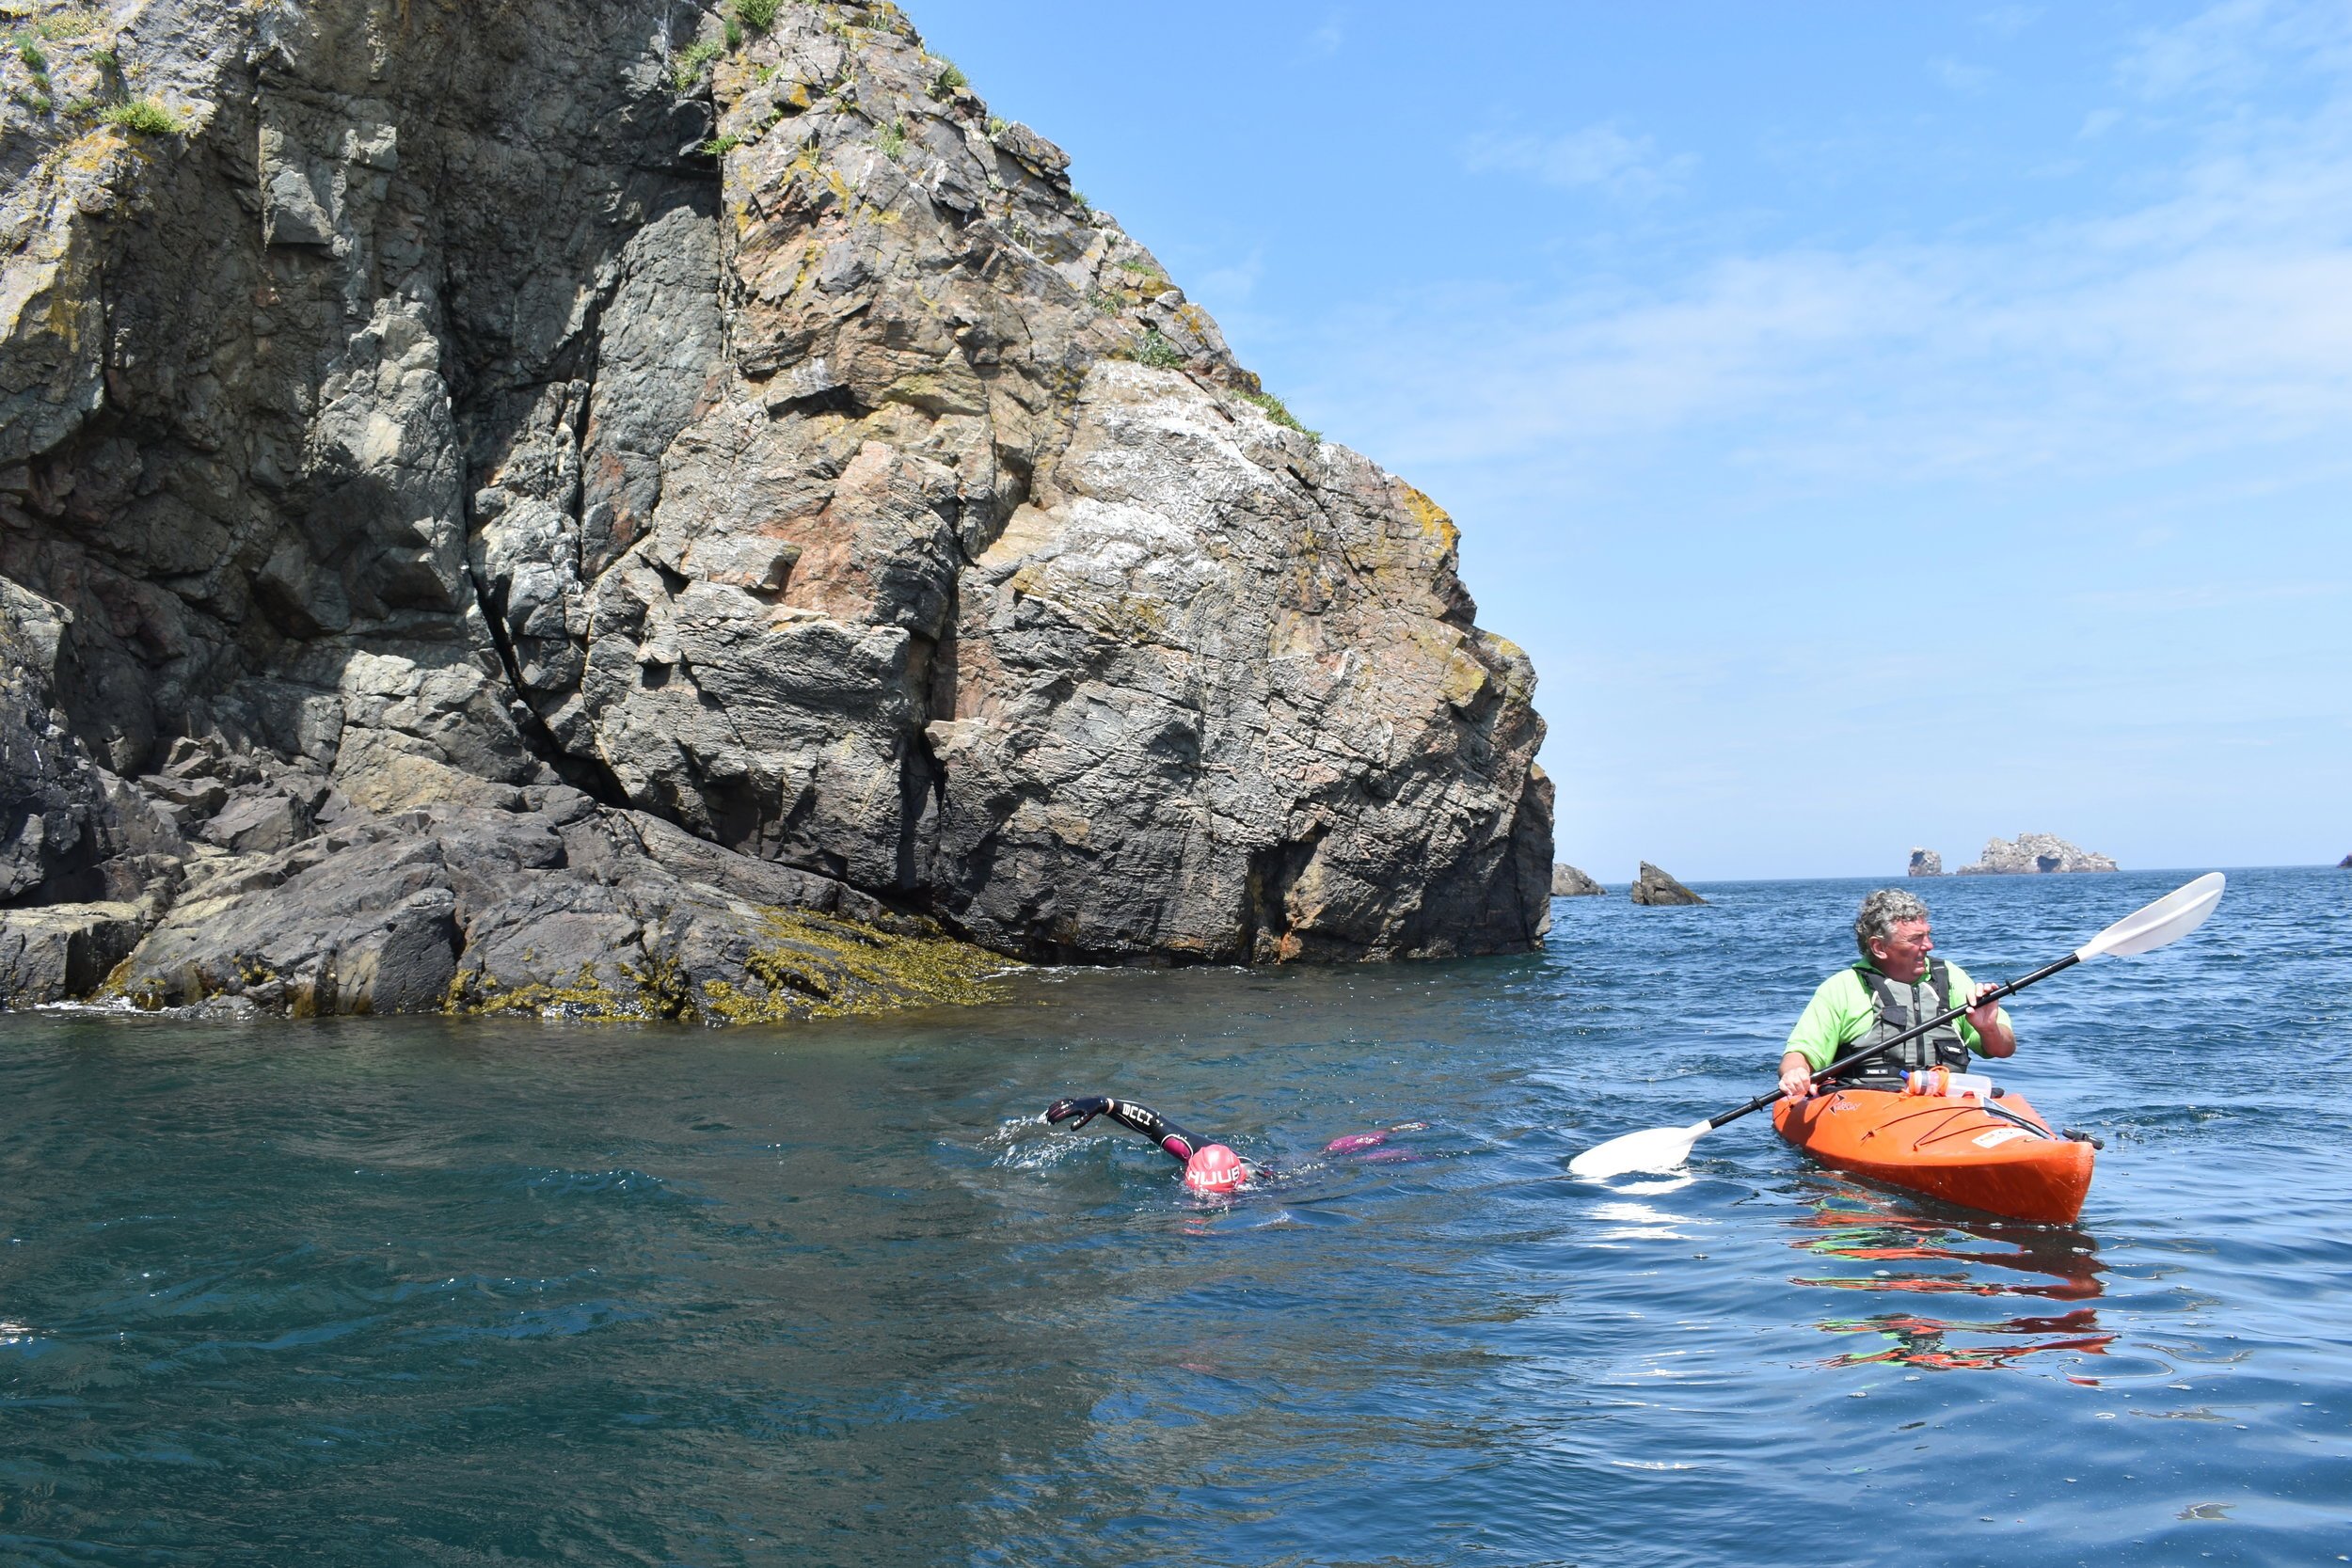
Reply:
x=1658, y=1148
x=2168, y=919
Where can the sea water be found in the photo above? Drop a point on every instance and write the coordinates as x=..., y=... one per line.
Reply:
x=421, y=1292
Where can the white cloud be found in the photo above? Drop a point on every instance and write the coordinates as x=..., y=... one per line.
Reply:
x=1602, y=156
x=2231, y=46
x=1959, y=76
x=2008, y=21
x=1326, y=40
x=2213, y=314
x=1230, y=284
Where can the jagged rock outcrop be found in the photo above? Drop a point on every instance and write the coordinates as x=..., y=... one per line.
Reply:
x=2031, y=853
x=1654, y=886
x=433, y=434
x=1569, y=882
x=1926, y=863
x=2345, y=864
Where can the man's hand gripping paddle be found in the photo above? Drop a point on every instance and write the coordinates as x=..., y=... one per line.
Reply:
x=2168, y=919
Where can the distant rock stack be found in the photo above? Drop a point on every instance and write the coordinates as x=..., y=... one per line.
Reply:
x=1569, y=882
x=1656, y=887
x=1926, y=863
x=2031, y=853
x=2345, y=864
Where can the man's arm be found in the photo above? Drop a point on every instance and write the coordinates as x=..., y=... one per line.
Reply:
x=1796, y=1075
x=1995, y=1037
x=1987, y=1028
x=1828, y=1021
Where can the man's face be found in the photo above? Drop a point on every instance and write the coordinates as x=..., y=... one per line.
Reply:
x=1903, y=957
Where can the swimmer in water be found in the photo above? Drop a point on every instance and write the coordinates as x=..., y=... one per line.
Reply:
x=1209, y=1168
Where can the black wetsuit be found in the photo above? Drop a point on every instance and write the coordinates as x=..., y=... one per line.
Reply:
x=1177, y=1144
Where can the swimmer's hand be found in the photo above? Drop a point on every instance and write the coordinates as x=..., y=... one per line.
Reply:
x=1085, y=1108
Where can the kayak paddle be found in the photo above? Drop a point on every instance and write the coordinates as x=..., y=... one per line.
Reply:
x=2168, y=919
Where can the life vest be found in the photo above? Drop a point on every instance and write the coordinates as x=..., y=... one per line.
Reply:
x=1901, y=1007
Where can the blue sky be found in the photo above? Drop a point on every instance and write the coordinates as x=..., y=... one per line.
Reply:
x=1883, y=425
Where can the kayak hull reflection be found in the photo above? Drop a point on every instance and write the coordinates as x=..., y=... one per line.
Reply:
x=2002, y=1159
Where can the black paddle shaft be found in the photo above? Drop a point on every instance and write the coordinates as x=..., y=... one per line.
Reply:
x=1996, y=993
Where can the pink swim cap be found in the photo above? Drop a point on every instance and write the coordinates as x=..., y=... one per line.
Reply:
x=1214, y=1169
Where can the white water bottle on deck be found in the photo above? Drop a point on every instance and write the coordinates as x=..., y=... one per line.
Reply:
x=1945, y=1081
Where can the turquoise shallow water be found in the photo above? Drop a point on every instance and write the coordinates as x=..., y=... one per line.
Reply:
x=399, y=1292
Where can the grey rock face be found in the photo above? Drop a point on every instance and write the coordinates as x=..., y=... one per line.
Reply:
x=1655, y=887
x=538, y=901
x=62, y=951
x=2029, y=853
x=1926, y=863
x=1569, y=882
x=486, y=399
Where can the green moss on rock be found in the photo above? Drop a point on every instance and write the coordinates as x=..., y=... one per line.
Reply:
x=801, y=965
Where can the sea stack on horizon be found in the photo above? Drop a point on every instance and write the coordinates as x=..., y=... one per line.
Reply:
x=1655, y=887
x=2030, y=854
x=510, y=492
x=1926, y=863
x=1569, y=882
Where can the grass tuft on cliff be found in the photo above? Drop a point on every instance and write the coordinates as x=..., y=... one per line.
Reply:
x=1154, y=348
x=145, y=117
x=685, y=66
x=1274, y=408
x=74, y=23
x=757, y=16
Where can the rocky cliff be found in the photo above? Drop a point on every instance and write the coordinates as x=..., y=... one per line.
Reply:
x=557, y=485
x=2029, y=853
x=1925, y=862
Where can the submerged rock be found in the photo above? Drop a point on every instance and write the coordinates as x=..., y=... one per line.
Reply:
x=1655, y=887
x=1569, y=882
x=1926, y=863
x=756, y=440
x=2030, y=853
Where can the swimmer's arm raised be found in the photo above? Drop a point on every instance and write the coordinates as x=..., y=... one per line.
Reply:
x=1174, y=1141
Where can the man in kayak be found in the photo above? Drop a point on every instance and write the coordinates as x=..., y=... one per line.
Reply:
x=1895, y=987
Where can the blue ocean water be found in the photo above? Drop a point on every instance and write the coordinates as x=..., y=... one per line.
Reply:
x=412, y=1291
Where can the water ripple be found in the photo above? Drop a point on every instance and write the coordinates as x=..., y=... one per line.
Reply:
x=390, y=1292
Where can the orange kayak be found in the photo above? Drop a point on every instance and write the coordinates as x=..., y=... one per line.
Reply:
x=2002, y=1158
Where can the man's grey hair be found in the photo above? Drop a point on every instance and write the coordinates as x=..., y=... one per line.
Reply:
x=1884, y=910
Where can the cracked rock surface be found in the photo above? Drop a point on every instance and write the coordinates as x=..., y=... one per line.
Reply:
x=537, y=501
